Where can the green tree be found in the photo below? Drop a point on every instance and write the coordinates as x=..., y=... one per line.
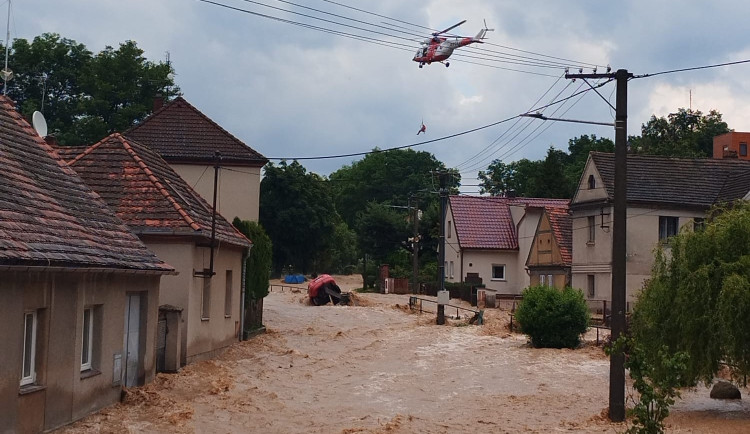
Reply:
x=526, y=178
x=388, y=177
x=686, y=133
x=85, y=97
x=698, y=298
x=381, y=230
x=341, y=254
x=553, y=318
x=297, y=211
x=258, y=267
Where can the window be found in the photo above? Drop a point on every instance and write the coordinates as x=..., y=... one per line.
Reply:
x=28, y=370
x=450, y=225
x=591, y=287
x=228, y=295
x=88, y=338
x=667, y=227
x=451, y=270
x=699, y=224
x=498, y=272
x=592, y=182
x=743, y=149
x=445, y=269
x=206, y=298
x=592, y=228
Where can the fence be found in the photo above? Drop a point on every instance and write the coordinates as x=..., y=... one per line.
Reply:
x=417, y=303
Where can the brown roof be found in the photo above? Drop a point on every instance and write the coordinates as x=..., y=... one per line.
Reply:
x=486, y=222
x=146, y=193
x=49, y=217
x=698, y=182
x=562, y=228
x=180, y=133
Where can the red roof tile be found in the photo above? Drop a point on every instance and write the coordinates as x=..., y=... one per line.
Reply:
x=146, y=193
x=49, y=217
x=181, y=133
x=562, y=228
x=483, y=222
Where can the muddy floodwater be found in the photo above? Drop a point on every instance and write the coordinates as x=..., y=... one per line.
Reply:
x=376, y=367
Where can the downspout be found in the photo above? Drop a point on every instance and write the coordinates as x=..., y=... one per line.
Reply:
x=243, y=278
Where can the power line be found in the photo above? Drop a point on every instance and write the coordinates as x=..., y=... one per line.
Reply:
x=695, y=68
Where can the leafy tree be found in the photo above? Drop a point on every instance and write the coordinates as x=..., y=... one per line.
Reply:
x=258, y=270
x=341, y=254
x=698, y=298
x=553, y=318
x=380, y=230
x=657, y=384
x=388, y=177
x=544, y=178
x=687, y=133
x=297, y=211
x=85, y=97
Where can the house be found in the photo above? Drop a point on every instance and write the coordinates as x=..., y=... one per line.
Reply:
x=664, y=195
x=189, y=141
x=732, y=145
x=79, y=292
x=175, y=222
x=550, y=256
x=490, y=239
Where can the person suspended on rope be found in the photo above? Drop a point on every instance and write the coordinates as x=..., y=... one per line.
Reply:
x=423, y=129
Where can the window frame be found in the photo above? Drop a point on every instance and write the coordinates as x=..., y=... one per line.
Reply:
x=504, y=272
x=664, y=227
x=31, y=377
x=743, y=149
x=450, y=229
x=591, y=224
x=592, y=182
x=87, y=339
x=591, y=284
x=228, y=294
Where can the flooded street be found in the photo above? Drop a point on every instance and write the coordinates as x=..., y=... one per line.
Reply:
x=376, y=368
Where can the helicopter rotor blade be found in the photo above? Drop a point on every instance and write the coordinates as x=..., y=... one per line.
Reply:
x=449, y=28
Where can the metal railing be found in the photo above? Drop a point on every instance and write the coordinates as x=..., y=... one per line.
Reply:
x=416, y=302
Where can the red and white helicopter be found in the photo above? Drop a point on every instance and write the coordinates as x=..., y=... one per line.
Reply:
x=439, y=48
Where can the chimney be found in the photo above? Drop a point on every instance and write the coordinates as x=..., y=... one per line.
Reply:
x=158, y=101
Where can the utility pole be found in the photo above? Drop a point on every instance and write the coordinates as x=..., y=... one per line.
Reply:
x=442, y=293
x=415, y=248
x=217, y=166
x=619, y=238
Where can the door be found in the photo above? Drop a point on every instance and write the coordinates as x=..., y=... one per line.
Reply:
x=132, y=339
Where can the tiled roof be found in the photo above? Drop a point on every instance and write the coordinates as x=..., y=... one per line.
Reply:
x=146, y=193
x=179, y=132
x=49, y=217
x=483, y=222
x=486, y=222
x=562, y=228
x=679, y=181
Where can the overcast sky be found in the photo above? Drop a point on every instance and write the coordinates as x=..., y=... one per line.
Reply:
x=290, y=91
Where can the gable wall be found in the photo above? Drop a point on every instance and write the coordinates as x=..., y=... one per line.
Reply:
x=238, y=192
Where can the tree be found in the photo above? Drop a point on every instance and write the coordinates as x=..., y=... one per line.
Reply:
x=381, y=229
x=698, y=298
x=687, y=133
x=544, y=178
x=298, y=213
x=578, y=153
x=258, y=269
x=388, y=177
x=85, y=97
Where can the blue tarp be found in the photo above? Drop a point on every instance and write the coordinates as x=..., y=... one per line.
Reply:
x=294, y=278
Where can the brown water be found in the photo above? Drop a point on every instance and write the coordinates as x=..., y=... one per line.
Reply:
x=376, y=368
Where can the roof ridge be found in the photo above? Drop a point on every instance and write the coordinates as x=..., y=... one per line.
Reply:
x=154, y=180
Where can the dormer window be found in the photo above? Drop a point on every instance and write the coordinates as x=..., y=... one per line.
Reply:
x=592, y=182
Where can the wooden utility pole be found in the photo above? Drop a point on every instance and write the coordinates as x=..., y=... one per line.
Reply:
x=415, y=248
x=441, y=257
x=619, y=239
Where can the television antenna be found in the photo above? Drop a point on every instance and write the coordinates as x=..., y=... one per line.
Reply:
x=6, y=73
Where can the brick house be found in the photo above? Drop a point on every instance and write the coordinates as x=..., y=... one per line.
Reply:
x=188, y=140
x=175, y=222
x=79, y=292
x=732, y=145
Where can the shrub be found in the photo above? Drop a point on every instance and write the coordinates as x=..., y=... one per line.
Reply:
x=553, y=318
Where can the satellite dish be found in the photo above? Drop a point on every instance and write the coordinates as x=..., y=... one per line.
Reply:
x=40, y=125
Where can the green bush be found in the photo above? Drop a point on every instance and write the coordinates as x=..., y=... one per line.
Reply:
x=553, y=318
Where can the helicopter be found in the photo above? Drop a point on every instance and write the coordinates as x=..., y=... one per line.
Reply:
x=439, y=48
